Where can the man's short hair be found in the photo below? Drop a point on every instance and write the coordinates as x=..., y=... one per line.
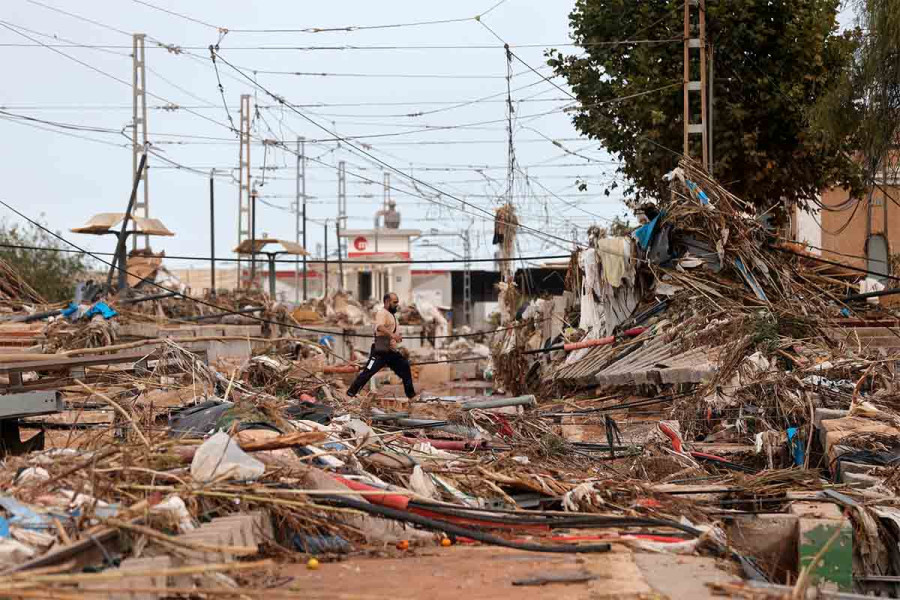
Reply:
x=387, y=296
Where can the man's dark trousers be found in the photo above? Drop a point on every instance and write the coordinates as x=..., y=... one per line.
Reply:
x=377, y=361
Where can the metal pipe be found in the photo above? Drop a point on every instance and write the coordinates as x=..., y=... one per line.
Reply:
x=212, y=234
x=123, y=233
x=272, y=275
x=887, y=292
x=38, y=316
x=604, y=341
x=527, y=400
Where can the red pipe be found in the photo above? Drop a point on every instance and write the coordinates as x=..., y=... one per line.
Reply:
x=670, y=433
x=604, y=341
x=387, y=499
x=399, y=502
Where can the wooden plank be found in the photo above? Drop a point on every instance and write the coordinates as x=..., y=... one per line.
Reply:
x=59, y=364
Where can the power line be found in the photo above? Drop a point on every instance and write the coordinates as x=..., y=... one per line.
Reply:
x=66, y=133
x=79, y=17
x=566, y=92
x=349, y=47
x=181, y=16
x=221, y=308
x=294, y=109
x=346, y=261
x=386, y=75
x=170, y=108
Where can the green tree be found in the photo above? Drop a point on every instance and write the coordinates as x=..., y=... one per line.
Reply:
x=862, y=112
x=52, y=274
x=773, y=60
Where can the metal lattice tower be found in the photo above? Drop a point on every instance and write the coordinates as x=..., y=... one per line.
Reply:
x=695, y=65
x=342, y=195
x=139, y=142
x=245, y=217
x=467, y=279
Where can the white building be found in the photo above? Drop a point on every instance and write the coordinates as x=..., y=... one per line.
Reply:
x=370, y=280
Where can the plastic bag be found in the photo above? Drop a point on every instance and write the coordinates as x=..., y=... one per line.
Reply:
x=221, y=457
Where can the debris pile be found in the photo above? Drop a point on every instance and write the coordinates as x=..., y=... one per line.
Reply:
x=709, y=392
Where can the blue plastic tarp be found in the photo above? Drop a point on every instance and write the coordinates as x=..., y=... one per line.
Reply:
x=797, y=448
x=101, y=308
x=700, y=194
x=644, y=233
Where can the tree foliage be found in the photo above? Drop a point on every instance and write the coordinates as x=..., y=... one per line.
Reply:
x=773, y=59
x=862, y=111
x=52, y=274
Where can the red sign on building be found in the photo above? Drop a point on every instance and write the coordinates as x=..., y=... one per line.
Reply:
x=360, y=243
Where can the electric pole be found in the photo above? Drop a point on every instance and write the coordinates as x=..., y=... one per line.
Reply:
x=341, y=222
x=467, y=278
x=342, y=193
x=212, y=234
x=139, y=142
x=695, y=43
x=244, y=205
x=298, y=207
x=253, y=238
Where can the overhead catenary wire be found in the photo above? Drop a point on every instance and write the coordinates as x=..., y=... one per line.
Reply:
x=125, y=33
x=347, y=261
x=349, y=47
x=104, y=73
x=201, y=172
x=565, y=91
x=179, y=15
x=199, y=301
x=385, y=164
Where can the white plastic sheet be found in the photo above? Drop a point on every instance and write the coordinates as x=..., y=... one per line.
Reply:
x=221, y=457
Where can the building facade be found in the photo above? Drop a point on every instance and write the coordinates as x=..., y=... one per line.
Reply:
x=861, y=232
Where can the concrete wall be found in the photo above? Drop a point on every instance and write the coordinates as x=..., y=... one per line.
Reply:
x=432, y=286
x=807, y=229
x=844, y=231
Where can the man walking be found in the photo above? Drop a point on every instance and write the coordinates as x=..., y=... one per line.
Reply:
x=384, y=350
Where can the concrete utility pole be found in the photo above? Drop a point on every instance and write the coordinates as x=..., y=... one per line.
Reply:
x=325, y=293
x=139, y=142
x=695, y=40
x=244, y=208
x=467, y=278
x=298, y=207
x=212, y=234
x=253, y=238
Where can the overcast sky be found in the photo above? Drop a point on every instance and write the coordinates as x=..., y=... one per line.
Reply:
x=64, y=179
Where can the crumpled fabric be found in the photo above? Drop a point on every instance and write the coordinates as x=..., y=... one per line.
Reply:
x=617, y=305
x=615, y=254
x=591, y=311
